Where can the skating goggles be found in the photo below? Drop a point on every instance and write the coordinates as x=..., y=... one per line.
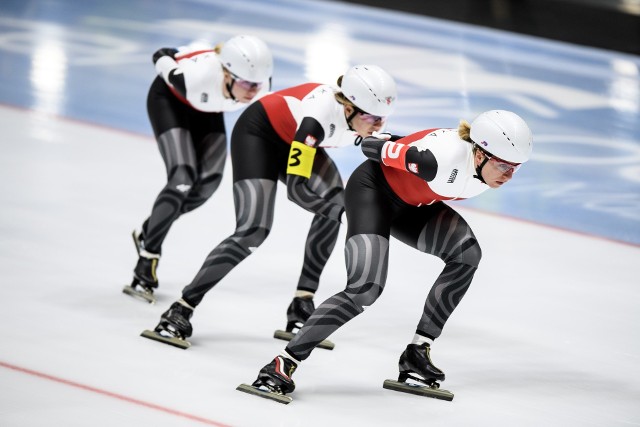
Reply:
x=370, y=118
x=245, y=84
x=502, y=165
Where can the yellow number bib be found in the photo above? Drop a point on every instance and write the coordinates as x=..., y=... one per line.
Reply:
x=300, y=159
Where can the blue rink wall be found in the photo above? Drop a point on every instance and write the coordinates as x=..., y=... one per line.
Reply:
x=91, y=61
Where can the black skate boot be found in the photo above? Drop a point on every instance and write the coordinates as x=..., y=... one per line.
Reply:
x=415, y=364
x=174, y=327
x=145, y=279
x=298, y=313
x=274, y=380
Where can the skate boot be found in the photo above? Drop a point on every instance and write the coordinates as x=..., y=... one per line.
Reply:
x=174, y=327
x=145, y=279
x=175, y=321
x=274, y=380
x=298, y=313
x=415, y=364
x=277, y=375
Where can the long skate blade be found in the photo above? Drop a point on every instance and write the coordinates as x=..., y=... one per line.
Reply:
x=288, y=336
x=420, y=390
x=176, y=342
x=136, y=241
x=280, y=398
x=145, y=296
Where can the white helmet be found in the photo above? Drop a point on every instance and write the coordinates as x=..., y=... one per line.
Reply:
x=503, y=134
x=247, y=57
x=371, y=89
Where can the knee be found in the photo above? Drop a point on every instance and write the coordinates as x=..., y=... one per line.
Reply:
x=364, y=295
x=473, y=254
x=181, y=179
x=251, y=238
x=206, y=188
x=467, y=252
x=336, y=195
x=200, y=193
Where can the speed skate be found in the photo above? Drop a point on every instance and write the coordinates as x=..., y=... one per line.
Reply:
x=265, y=393
x=415, y=364
x=288, y=336
x=429, y=390
x=145, y=294
x=166, y=339
x=144, y=280
x=297, y=313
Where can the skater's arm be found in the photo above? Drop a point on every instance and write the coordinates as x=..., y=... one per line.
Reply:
x=396, y=154
x=167, y=68
x=299, y=170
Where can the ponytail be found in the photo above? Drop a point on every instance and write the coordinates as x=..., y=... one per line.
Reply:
x=464, y=131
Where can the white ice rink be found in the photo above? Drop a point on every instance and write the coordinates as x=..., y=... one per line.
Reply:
x=546, y=336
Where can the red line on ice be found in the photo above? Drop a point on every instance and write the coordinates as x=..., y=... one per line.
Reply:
x=112, y=395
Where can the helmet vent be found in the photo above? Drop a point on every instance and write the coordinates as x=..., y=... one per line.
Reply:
x=514, y=145
x=508, y=139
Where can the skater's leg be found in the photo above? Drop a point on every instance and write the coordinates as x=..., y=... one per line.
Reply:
x=366, y=258
x=441, y=231
x=210, y=173
x=179, y=156
x=257, y=157
x=319, y=245
x=369, y=214
x=170, y=120
x=321, y=239
x=211, y=149
x=254, y=202
x=177, y=151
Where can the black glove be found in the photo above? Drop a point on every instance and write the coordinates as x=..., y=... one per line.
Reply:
x=165, y=51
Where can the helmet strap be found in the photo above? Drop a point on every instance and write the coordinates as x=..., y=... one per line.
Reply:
x=479, y=168
x=350, y=117
x=229, y=86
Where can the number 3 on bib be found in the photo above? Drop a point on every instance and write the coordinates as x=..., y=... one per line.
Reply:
x=300, y=159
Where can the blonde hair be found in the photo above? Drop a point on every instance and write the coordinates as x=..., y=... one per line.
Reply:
x=217, y=49
x=464, y=131
x=343, y=99
x=340, y=96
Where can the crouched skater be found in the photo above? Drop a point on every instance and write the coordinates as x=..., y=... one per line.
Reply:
x=186, y=103
x=287, y=136
x=399, y=191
